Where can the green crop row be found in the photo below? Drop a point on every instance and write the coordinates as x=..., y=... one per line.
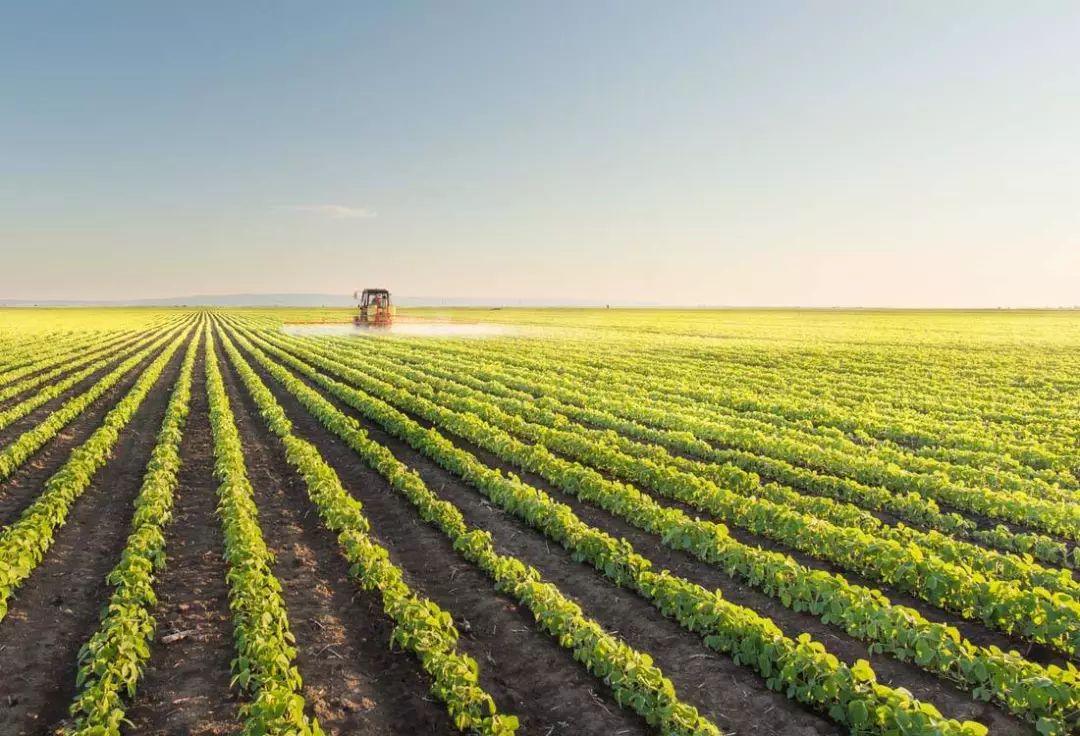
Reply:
x=263, y=666
x=1020, y=507
x=39, y=353
x=633, y=419
x=71, y=360
x=745, y=399
x=584, y=440
x=685, y=402
x=111, y=661
x=31, y=356
x=728, y=384
x=18, y=411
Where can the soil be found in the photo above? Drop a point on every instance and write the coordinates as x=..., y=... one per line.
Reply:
x=57, y=608
x=185, y=685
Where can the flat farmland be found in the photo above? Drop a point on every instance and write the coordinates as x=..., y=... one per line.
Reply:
x=541, y=521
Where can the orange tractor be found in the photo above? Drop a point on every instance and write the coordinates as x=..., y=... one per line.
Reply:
x=375, y=308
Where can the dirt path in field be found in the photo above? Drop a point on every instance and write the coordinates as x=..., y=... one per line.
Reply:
x=353, y=681
x=20, y=488
x=58, y=607
x=185, y=687
x=953, y=702
x=526, y=671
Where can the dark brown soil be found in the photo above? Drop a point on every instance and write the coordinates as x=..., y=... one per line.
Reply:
x=58, y=607
x=353, y=681
x=19, y=489
x=952, y=702
x=185, y=687
x=525, y=670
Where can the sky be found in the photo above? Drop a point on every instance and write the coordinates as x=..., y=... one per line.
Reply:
x=817, y=153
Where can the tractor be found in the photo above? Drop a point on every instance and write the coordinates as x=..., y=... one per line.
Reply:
x=375, y=308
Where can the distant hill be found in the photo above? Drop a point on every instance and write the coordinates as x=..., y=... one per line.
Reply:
x=196, y=300
x=290, y=300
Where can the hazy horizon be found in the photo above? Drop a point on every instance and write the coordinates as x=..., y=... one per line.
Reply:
x=699, y=153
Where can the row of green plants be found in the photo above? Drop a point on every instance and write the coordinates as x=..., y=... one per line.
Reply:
x=1003, y=471
x=24, y=543
x=653, y=445
x=54, y=359
x=908, y=506
x=859, y=456
x=20, y=358
x=801, y=668
x=54, y=390
x=69, y=361
x=1043, y=694
x=803, y=400
x=850, y=393
x=1049, y=618
x=982, y=467
x=759, y=382
x=264, y=667
x=421, y=626
x=1010, y=396
x=956, y=551
x=1021, y=507
x=35, y=352
x=657, y=403
x=586, y=408
x=111, y=662
x=633, y=678
x=1019, y=436
x=984, y=492
x=17, y=452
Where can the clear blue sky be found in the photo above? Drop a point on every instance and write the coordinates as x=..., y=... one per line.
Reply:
x=825, y=152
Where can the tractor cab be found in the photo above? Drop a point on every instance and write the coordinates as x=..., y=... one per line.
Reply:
x=375, y=308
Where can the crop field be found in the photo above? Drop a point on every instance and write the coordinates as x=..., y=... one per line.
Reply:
x=539, y=521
